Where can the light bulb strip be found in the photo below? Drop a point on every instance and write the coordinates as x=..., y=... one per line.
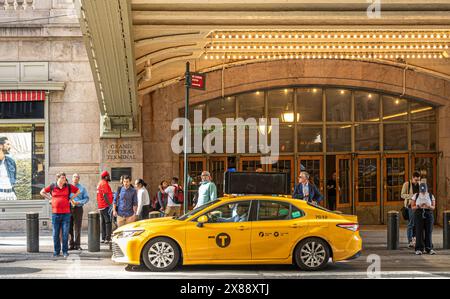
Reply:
x=313, y=55
x=322, y=35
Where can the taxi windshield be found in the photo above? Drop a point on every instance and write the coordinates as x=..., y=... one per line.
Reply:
x=194, y=211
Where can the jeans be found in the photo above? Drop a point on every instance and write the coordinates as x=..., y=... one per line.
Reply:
x=106, y=224
x=424, y=224
x=411, y=230
x=60, y=221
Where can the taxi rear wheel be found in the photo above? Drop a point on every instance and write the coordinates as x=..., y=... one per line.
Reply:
x=161, y=254
x=312, y=254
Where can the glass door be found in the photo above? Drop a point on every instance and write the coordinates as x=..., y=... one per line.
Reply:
x=314, y=166
x=425, y=164
x=218, y=166
x=367, y=189
x=344, y=183
x=285, y=164
x=250, y=164
x=395, y=167
x=195, y=167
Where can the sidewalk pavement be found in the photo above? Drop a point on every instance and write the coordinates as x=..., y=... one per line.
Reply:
x=13, y=244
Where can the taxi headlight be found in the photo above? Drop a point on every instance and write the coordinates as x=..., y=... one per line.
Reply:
x=130, y=233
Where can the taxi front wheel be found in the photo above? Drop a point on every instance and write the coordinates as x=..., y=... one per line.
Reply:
x=161, y=254
x=312, y=254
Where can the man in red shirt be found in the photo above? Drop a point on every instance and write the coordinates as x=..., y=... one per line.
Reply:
x=104, y=202
x=59, y=196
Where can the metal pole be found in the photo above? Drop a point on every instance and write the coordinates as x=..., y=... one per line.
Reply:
x=32, y=232
x=186, y=135
x=93, y=232
x=393, y=232
x=446, y=230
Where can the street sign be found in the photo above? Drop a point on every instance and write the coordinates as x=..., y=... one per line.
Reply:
x=198, y=81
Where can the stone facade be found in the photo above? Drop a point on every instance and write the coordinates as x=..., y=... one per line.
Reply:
x=161, y=106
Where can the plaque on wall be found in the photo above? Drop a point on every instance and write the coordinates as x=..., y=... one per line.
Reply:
x=117, y=172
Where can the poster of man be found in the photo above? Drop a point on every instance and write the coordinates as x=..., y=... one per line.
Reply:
x=15, y=166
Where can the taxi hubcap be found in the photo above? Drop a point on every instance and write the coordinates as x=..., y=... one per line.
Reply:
x=312, y=254
x=161, y=254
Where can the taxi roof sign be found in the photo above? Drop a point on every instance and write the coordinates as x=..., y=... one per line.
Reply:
x=266, y=183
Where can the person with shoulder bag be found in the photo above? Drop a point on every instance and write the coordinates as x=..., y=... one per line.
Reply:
x=104, y=202
x=410, y=188
x=423, y=204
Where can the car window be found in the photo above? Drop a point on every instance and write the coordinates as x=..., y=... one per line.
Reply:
x=273, y=210
x=230, y=212
x=296, y=212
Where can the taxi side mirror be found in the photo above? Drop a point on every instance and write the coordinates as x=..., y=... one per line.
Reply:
x=202, y=220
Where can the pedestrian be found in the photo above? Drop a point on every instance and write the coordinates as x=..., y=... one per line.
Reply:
x=423, y=204
x=161, y=198
x=77, y=214
x=173, y=207
x=126, y=203
x=8, y=171
x=59, y=196
x=207, y=190
x=306, y=190
x=331, y=188
x=410, y=188
x=143, y=199
x=104, y=202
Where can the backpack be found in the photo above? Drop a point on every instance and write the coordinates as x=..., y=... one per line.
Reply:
x=178, y=197
x=53, y=186
x=155, y=203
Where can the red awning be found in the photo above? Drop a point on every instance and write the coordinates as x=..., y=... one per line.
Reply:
x=22, y=95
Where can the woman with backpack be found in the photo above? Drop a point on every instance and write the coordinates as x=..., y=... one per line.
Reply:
x=143, y=199
x=174, y=200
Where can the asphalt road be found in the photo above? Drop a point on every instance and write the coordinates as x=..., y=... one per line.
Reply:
x=375, y=262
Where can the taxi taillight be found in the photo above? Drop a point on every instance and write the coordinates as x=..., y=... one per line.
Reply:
x=354, y=227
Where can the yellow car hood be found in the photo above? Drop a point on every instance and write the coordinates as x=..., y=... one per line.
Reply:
x=148, y=223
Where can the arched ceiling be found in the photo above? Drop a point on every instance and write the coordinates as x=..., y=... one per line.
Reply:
x=143, y=45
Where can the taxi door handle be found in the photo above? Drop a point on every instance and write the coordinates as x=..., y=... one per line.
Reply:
x=242, y=227
x=297, y=225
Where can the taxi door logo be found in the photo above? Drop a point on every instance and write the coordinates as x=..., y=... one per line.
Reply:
x=223, y=240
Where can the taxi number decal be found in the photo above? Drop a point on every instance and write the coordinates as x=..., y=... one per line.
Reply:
x=223, y=240
x=321, y=217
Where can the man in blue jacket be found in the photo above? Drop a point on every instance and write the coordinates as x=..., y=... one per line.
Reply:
x=306, y=190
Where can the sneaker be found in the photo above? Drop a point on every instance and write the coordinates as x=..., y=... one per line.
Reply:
x=79, y=248
x=418, y=252
x=432, y=252
x=56, y=254
x=66, y=255
x=411, y=245
x=102, y=241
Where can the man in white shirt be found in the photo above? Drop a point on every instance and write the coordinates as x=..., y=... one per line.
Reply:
x=173, y=208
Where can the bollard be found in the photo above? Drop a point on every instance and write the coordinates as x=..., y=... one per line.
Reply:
x=393, y=232
x=94, y=232
x=446, y=230
x=154, y=214
x=32, y=232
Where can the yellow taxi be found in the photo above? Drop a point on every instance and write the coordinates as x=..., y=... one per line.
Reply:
x=241, y=230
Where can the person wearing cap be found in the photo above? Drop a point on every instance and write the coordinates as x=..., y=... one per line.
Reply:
x=423, y=204
x=105, y=202
x=207, y=191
